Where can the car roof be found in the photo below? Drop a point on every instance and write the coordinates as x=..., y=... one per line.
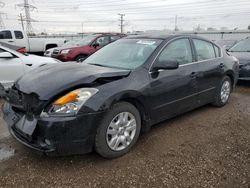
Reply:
x=163, y=36
x=109, y=34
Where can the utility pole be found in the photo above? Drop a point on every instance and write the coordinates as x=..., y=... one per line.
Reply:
x=82, y=29
x=121, y=22
x=2, y=26
x=21, y=18
x=175, y=27
x=27, y=8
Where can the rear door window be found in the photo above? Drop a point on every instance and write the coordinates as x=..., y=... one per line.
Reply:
x=18, y=34
x=5, y=35
x=178, y=50
x=204, y=50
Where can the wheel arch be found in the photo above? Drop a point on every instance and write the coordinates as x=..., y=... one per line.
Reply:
x=81, y=54
x=51, y=45
x=141, y=107
x=230, y=74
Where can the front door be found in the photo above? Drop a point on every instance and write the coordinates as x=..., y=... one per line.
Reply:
x=101, y=42
x=174, y=91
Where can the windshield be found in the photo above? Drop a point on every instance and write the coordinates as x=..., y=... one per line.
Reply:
x=80, y=42
x=242, y=46
x=124, y=53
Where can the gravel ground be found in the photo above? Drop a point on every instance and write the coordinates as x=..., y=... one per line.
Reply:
x=208, y=147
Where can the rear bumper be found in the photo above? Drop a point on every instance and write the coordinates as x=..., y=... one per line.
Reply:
x=56, y=136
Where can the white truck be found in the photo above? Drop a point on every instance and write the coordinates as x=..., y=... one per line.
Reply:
x=32, y=44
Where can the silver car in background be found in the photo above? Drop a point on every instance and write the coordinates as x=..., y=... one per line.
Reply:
x=14, y=64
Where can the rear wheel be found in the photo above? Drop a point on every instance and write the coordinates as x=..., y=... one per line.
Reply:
x=223, y=92
x=119, y=131
x=80, y=58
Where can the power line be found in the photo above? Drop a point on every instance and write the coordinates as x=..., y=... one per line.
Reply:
x=191, y=16
x=102, y=4
x=184, y=5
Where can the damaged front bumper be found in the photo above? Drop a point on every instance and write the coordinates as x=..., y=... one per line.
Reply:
x=53, y=135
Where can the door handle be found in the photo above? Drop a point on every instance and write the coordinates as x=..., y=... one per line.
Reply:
x=28, y=65
x=193, y=74
x=10, y=41
x=222, y=65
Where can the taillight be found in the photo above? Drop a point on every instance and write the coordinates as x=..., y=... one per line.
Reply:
x=22, y=50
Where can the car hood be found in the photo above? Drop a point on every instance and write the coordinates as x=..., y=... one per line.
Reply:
x=50, y=80
x=243, y=57
x=68, y=47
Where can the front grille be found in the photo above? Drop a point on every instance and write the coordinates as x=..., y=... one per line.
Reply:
x=22, y=103
x=55, y=52
x=14, y=97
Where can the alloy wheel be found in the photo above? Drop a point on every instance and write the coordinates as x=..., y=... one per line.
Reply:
x=121, y=131
x=225, y=91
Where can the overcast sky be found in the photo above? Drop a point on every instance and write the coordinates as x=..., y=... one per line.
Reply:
x=60, y=16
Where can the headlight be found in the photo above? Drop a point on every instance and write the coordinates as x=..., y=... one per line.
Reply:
x=65, y=51
x=73, y=101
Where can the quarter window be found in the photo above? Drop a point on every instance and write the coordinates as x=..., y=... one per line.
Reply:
x=179, y=50
x=204, y=50
x=18, y=34
x=5, y=35
x=114, y=38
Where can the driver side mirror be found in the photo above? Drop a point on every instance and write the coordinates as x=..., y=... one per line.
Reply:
x=6, y=55
x=95, y=45
x=166, y=65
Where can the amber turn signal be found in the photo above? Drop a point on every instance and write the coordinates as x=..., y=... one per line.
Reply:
x=70, y=97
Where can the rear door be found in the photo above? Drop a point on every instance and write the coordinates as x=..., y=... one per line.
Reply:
x=19, y=38
x=211, y=69
x=10, y=69
x=174, y=91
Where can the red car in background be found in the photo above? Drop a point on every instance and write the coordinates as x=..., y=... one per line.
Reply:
x=84, y=47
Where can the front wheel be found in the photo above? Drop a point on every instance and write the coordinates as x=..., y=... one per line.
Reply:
x=223, y=92
x=118, y=131
x=80, y=58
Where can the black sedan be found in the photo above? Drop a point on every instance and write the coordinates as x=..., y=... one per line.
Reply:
x=241, y=51
x=122, y=90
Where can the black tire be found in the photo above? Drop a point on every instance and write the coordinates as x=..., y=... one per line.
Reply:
x=218, y=99
x=80, y=58
x=101, y=145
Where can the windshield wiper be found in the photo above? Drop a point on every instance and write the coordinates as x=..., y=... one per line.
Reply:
x=97, y=64
x=240, y=51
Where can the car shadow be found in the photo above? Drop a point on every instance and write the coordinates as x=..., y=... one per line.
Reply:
x=243, y=83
